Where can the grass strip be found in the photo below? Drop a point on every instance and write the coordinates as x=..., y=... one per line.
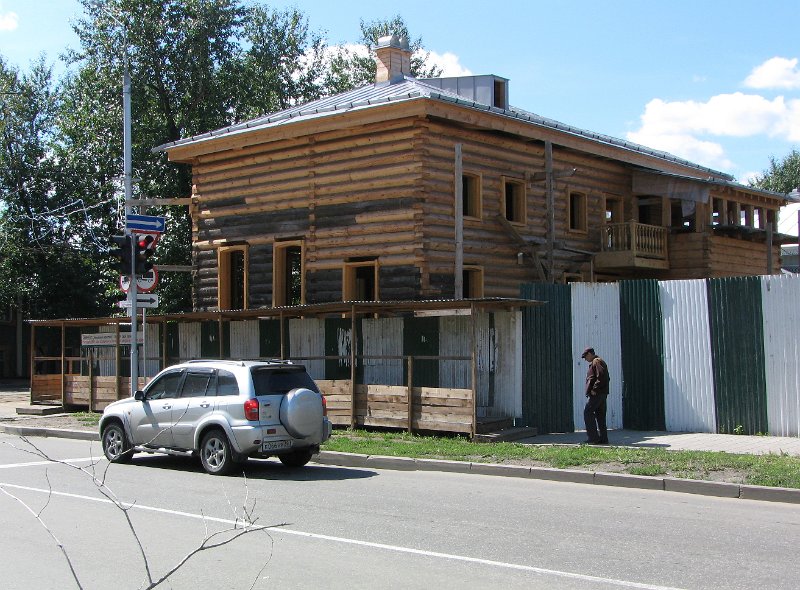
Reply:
x=765, y=470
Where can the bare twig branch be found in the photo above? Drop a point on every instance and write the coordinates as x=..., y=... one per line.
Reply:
x=58, y=543
x=244, y=520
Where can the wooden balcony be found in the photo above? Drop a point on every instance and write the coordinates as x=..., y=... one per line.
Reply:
x=633, y=245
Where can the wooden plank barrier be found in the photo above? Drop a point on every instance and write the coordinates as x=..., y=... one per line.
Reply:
x=433, y=408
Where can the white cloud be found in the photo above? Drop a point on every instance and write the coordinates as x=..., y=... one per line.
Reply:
x=8, y=21
x=778, y=72
x=682, y=127
x=449, y=62
x=707, y=153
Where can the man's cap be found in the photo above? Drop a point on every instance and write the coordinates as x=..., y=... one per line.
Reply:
x=587, y=351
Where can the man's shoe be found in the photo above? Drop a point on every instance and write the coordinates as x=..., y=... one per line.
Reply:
x=602, y=441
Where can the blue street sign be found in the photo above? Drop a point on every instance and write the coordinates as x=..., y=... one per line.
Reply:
x=146, y=223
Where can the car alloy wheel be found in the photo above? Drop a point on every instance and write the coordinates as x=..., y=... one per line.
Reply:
x=215, y=453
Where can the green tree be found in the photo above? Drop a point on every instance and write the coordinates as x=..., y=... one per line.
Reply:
x=782, y=176
x=195, y=66
x=46, y=238
x=347, y=69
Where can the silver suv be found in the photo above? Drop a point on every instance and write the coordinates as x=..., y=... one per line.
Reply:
x=225, y=411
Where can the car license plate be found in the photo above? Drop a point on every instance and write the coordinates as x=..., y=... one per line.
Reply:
x=276, y=445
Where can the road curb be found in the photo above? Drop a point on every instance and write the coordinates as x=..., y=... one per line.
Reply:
x=49, y=432
x=669, y=484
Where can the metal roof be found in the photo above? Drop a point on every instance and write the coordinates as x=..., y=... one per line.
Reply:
x=336, y=308
x=719, y=182
x=373, y=95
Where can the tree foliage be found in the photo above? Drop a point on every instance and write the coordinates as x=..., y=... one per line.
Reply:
x=350, y=68
x=195, y=65
x=782, y=176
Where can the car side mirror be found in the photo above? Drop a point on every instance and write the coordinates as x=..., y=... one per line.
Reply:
x=139, y=396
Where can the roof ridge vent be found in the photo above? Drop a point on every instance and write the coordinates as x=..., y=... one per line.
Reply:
x=393, y=57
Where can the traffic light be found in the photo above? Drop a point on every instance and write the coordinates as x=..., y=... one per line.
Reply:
x=122, y=253
x=144, y=250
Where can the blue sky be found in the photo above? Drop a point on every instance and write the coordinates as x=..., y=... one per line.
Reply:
x=717, y=82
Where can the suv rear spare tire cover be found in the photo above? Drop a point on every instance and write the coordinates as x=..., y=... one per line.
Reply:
x=301, y=412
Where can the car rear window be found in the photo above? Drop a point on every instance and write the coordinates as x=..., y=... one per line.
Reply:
x=268, y=381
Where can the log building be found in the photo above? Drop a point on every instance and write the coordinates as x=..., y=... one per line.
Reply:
x=410, y=189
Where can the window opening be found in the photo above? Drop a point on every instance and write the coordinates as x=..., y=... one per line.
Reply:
x=514, y=201
x=471, y=195
x=232, y=286
x=577, y=211
x=288, y=280
x=360, y=281
x=472, y=282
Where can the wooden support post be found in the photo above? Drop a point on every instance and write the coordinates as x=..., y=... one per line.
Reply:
x=474, y=360
x=769, y=248
x=33, y=359
x=91, y=381
x=409, y=391
x=220, y=334
x=163, y=345
x=459, y=223
x=353, y=345
x=283, y=341
x=666, y=212
x=551, y=208
x=118, y=360
x=63, y=363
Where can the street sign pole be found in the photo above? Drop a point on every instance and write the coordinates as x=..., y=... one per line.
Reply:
x=132, y=297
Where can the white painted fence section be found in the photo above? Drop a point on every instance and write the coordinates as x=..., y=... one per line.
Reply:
x=688, y=370
x=508, y=369
x=244, y=339
x=382, y=337
x=780, y=296
x=595, y=323
x=455, y=339
x=307, y=341
x=189, y=335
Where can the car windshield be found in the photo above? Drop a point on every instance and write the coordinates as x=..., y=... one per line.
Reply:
x=269, y=381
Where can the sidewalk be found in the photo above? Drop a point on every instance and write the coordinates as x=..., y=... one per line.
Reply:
x=683, y=441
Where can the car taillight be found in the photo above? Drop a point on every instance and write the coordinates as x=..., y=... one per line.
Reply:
x=324, y=405
x=251, y=409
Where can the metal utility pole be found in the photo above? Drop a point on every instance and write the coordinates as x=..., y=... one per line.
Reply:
x=128, y=180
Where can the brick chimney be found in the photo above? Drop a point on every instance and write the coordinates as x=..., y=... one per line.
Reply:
x=394, y=59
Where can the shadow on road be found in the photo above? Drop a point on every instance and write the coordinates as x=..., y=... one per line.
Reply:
x=255, y=469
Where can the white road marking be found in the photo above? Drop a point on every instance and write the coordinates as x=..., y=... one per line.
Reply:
x=344, y=540
x=34, y=463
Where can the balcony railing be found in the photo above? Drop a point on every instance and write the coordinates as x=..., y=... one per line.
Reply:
x=640, y=239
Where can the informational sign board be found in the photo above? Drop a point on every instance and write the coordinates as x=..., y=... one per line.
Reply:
x=109, y=339
x=147, y=224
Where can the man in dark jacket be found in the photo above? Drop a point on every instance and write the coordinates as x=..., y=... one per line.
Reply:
x=594, y=413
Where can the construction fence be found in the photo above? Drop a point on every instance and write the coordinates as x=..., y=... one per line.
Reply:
x=712, y=355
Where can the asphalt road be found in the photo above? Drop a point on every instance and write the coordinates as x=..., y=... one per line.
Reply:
x=335, y=527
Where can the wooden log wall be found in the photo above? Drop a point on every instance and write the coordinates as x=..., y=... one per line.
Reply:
x=730, y=257
x=349, y=194
x=493, y=157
